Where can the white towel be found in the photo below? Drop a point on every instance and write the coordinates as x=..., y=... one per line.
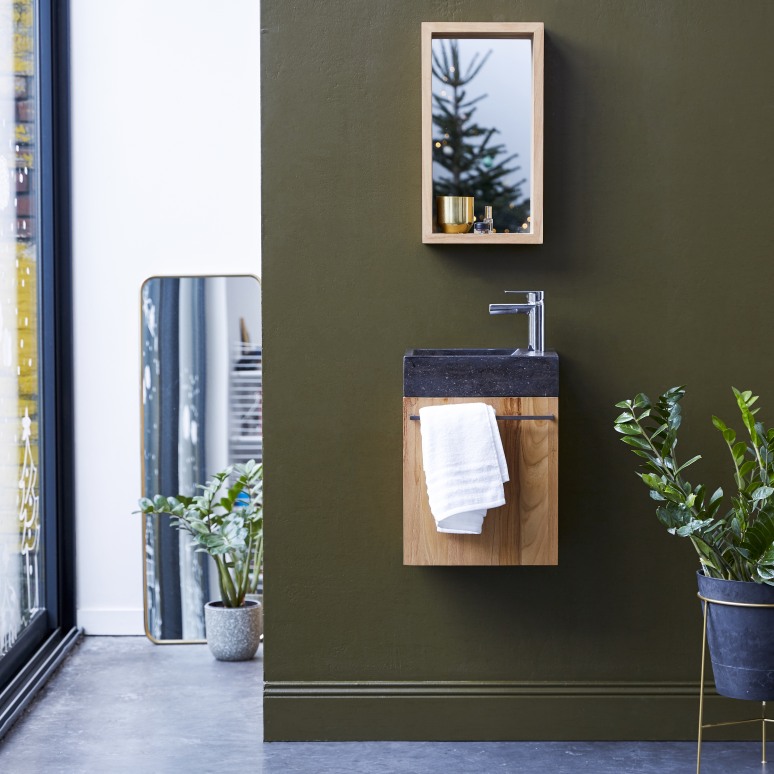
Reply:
x=464, y=463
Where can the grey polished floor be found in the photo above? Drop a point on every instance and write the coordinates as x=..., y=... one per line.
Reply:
x=121, y=704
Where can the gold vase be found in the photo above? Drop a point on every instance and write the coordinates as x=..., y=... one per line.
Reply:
x=455, y=213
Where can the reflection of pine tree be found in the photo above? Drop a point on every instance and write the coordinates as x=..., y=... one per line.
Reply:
x=466, y=151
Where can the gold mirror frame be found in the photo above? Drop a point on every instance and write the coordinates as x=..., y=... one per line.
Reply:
x=532, y=31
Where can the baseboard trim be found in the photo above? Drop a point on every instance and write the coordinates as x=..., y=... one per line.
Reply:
x=112, y=622
x=284, y=689
x=493, y=711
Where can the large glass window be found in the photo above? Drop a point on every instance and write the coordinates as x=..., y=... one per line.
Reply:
x=21, y=586
x=36, y=556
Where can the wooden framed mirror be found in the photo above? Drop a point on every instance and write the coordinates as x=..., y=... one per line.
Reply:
x=482, y=132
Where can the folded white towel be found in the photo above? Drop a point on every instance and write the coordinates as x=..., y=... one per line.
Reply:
x=464, y=463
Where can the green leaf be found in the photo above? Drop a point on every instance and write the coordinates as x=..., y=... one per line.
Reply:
x=738, y=450
x=641, y=400
x=729, y=436
x=690, y=462
x=162, y=505
x=673, y=516
x=714, y=503
x=675, y=418
x=706, y=554
x=719, y=423
x=628, y=429
x=762, y=492
x=654, y=482
x=759, y=538
x=636, y=441
x=692, y=527
x=674, y=393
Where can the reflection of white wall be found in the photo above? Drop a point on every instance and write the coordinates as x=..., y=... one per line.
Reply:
x=218, y=364
x=506, y=79
x=166, y=180
x=244, y=301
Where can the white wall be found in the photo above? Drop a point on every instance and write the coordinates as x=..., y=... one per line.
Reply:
x=166, y=180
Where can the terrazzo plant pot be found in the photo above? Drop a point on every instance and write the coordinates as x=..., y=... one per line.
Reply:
x=259, y=599
x=740, y=639
x=233, y=633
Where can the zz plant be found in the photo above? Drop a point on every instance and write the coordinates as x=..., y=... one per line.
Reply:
x=738, y=544
x=226, y=522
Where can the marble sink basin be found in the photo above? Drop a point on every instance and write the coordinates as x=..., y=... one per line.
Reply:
x=461, y=373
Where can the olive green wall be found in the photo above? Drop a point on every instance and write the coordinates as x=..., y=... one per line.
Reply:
x=657, y=267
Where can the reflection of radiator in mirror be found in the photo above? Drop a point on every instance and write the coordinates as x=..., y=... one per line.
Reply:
x=245, y=418
x=200, y=379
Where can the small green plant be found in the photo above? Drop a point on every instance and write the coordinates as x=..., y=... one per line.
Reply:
x=226, y=522
x=738, y=545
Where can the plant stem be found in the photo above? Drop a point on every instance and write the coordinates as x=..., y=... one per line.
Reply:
x=257, y=562
x=227, y=589
x=244, y=576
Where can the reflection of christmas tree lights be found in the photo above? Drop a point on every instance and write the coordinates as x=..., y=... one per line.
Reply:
x=471, y=161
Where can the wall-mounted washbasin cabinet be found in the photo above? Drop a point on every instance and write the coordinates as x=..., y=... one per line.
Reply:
x=523, y=388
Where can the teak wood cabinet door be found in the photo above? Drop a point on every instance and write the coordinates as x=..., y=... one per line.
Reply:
x=521, y=532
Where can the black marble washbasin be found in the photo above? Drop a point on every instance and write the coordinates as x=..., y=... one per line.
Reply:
x=473, y=373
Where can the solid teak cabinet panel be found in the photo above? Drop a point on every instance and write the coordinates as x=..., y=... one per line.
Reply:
x=521, y=532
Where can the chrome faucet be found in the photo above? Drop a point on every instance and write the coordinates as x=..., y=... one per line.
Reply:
x=534, y=309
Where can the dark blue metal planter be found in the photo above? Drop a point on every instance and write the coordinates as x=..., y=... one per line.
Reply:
x=740, y=638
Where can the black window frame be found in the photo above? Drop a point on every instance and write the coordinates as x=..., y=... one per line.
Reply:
x=44, y=643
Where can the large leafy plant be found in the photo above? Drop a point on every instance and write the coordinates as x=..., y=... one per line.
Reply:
x=737, y=545
x=226, y=522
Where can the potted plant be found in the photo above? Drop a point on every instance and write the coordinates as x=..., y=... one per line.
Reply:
x=226, y=521
x=735, y=546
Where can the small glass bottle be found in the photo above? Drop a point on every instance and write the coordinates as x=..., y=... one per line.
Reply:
x=488, y=218
x=484, y=226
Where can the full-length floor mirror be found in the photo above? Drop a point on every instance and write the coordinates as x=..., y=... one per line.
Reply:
x=201, y=379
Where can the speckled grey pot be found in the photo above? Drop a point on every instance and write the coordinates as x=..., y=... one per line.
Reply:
x=233, y=633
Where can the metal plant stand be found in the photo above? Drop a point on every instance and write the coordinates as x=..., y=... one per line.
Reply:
x=763, y=720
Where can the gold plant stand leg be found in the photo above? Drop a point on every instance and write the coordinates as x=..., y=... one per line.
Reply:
x=763, y=720
x=701, y=689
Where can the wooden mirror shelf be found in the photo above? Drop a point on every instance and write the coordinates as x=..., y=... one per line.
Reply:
x=482, y=130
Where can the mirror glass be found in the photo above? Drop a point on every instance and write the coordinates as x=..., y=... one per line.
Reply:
x=201, y=382
x=482, y=124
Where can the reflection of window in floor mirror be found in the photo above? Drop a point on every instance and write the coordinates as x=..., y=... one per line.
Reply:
x=202, y=411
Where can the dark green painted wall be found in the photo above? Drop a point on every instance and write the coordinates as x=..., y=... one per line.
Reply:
x=657, y=267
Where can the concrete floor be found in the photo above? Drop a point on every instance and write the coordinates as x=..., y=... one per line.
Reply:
x=121, y=704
